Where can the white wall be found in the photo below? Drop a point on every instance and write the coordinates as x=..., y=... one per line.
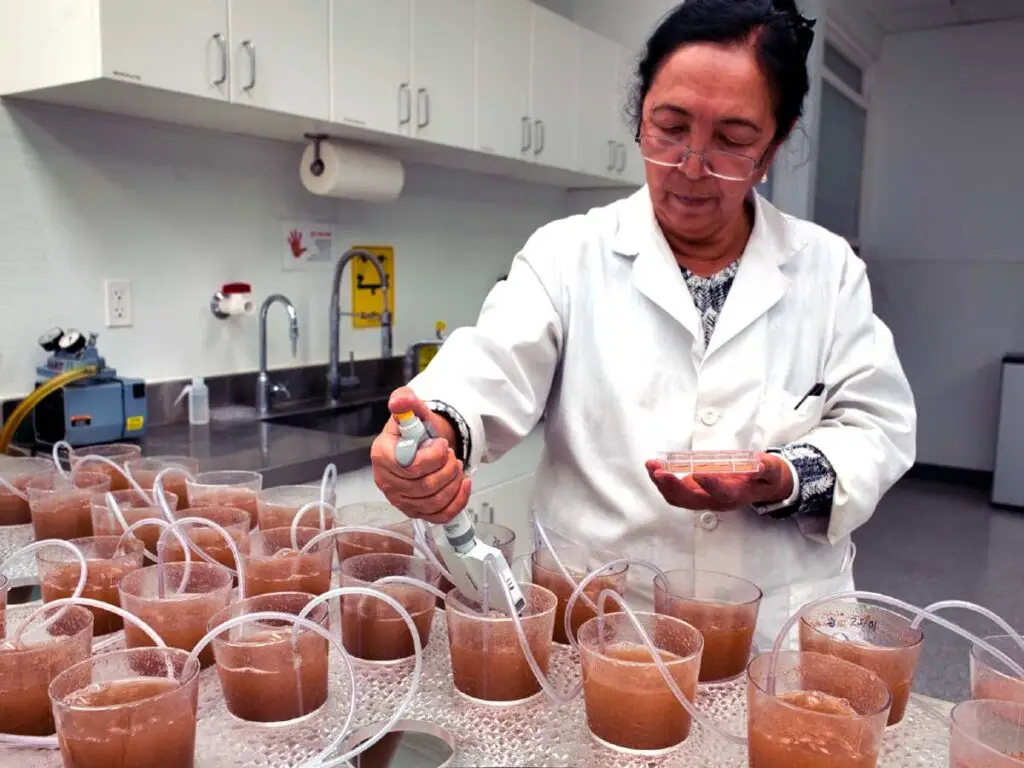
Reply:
x=942, y=224
x=85, y=197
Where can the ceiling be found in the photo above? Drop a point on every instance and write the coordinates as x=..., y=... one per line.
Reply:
x=906, y=15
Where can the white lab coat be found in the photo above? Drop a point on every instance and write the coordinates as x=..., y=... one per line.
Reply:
x=595, y=330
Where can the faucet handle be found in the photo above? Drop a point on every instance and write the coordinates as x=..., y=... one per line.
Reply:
x=280, y=390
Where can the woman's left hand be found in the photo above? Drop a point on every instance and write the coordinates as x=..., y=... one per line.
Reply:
x=722, y=492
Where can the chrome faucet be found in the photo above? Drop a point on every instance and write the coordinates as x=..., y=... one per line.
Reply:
x=265, y=388
x=334, y=379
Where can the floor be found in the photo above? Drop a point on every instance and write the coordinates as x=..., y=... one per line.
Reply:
x=930, y=542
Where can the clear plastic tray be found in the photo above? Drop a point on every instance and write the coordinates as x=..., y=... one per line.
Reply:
x=682, y=463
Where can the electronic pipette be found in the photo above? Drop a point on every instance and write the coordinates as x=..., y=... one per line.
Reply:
x=468, y=567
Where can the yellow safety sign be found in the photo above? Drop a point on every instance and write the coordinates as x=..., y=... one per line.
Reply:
x=367, y=301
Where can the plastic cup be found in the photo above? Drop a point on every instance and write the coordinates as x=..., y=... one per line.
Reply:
x=273, y=566
x=145, y=471
x=723, y=608
x=875, y=638
x=546, y=573
x=180, y=620
x=826, y=712
x=262, y=678
x=278, y=506
x=26, y=671
x=488, y=664
x=372, y=630
x=3, y=606
x=106, y=564
x=134, y=508
x=226, y=489
x=60, y=509
x=497, y=536
x=375, y=515
x=987, y=734
x=119, y=453
x=630, y=708
x=234, y=520
x=990, y=678
x=128, y=709
x=14, y=510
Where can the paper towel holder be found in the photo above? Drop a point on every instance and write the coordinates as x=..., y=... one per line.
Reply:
x=317, y=167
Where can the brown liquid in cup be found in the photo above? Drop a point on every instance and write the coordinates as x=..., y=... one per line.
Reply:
x=157, y=734
x=497, y=672
x=581, y=613
x=258, y=675
x=287, y=572
x=728, y=632
x=14, y=510
x=780, y=738
x=1000, y=688
x=100, y=584
x=896, y=666
x=352, y=544
x=66, y=513
x=226, y=497
x=373, y=631
x=633, y=707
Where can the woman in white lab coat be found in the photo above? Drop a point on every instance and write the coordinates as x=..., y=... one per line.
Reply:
x=691, y=315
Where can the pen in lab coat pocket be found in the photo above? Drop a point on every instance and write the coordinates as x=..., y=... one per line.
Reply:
x=815, y=391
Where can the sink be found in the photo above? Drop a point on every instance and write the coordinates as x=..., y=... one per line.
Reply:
x=357, y=420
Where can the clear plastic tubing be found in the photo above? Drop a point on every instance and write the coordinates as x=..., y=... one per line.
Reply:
x=161, y=546
x=61, y=445
x=159, y=523
x=321, y=760
x=115, y=510
x=558, y=697
x=305, y=623
x=11, y=489
x=327, y=486
x=82, y=462
x=963, y=605
x=83, y=572
x=421, y=547
x=558, y=562
x=919, y=613
x=51, y=742
x=322, y=506
x=158, y=489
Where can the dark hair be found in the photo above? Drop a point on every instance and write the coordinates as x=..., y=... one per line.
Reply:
x=781, y=36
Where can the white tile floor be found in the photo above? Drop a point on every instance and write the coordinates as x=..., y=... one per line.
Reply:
x=930, y=542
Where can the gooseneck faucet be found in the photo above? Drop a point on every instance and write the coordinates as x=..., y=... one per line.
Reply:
x=334, y=381
x=265, y=388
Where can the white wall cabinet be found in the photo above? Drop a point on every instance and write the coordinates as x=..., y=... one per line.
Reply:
x=372, y=64
x=280, y=56
x=501, y=87
x=443, y=52
x=181, y=46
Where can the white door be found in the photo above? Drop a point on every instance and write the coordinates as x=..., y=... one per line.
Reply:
x=443, y=54
x=597, y=140
x=630, y=166
x=180, y=46
x=552, y=87
x=503, y=119
x=508, y=504
x=280, y=56
x=372, y=69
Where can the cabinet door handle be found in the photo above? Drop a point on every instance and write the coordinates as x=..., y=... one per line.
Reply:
x=539, y=144
x=250, y=48
x=404, y=104
x=622, y=158
x=422, y=108
x=527, y=135
x=612, y=155
x=223, y=45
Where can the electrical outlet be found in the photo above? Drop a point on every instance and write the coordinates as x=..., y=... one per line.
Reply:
x=117, y=302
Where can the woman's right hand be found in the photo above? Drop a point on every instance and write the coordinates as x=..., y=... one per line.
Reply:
x=434, y=487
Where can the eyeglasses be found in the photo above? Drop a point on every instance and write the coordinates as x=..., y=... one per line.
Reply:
x=728, y=166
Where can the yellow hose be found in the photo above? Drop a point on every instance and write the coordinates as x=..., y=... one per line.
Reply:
x=31, y=401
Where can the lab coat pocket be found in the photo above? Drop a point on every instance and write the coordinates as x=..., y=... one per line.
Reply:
x=785, y=419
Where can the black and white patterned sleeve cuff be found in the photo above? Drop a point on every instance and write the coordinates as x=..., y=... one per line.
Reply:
x=463, y=439
x=817, y=482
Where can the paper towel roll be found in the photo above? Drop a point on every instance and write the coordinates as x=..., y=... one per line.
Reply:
x=352, y=172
